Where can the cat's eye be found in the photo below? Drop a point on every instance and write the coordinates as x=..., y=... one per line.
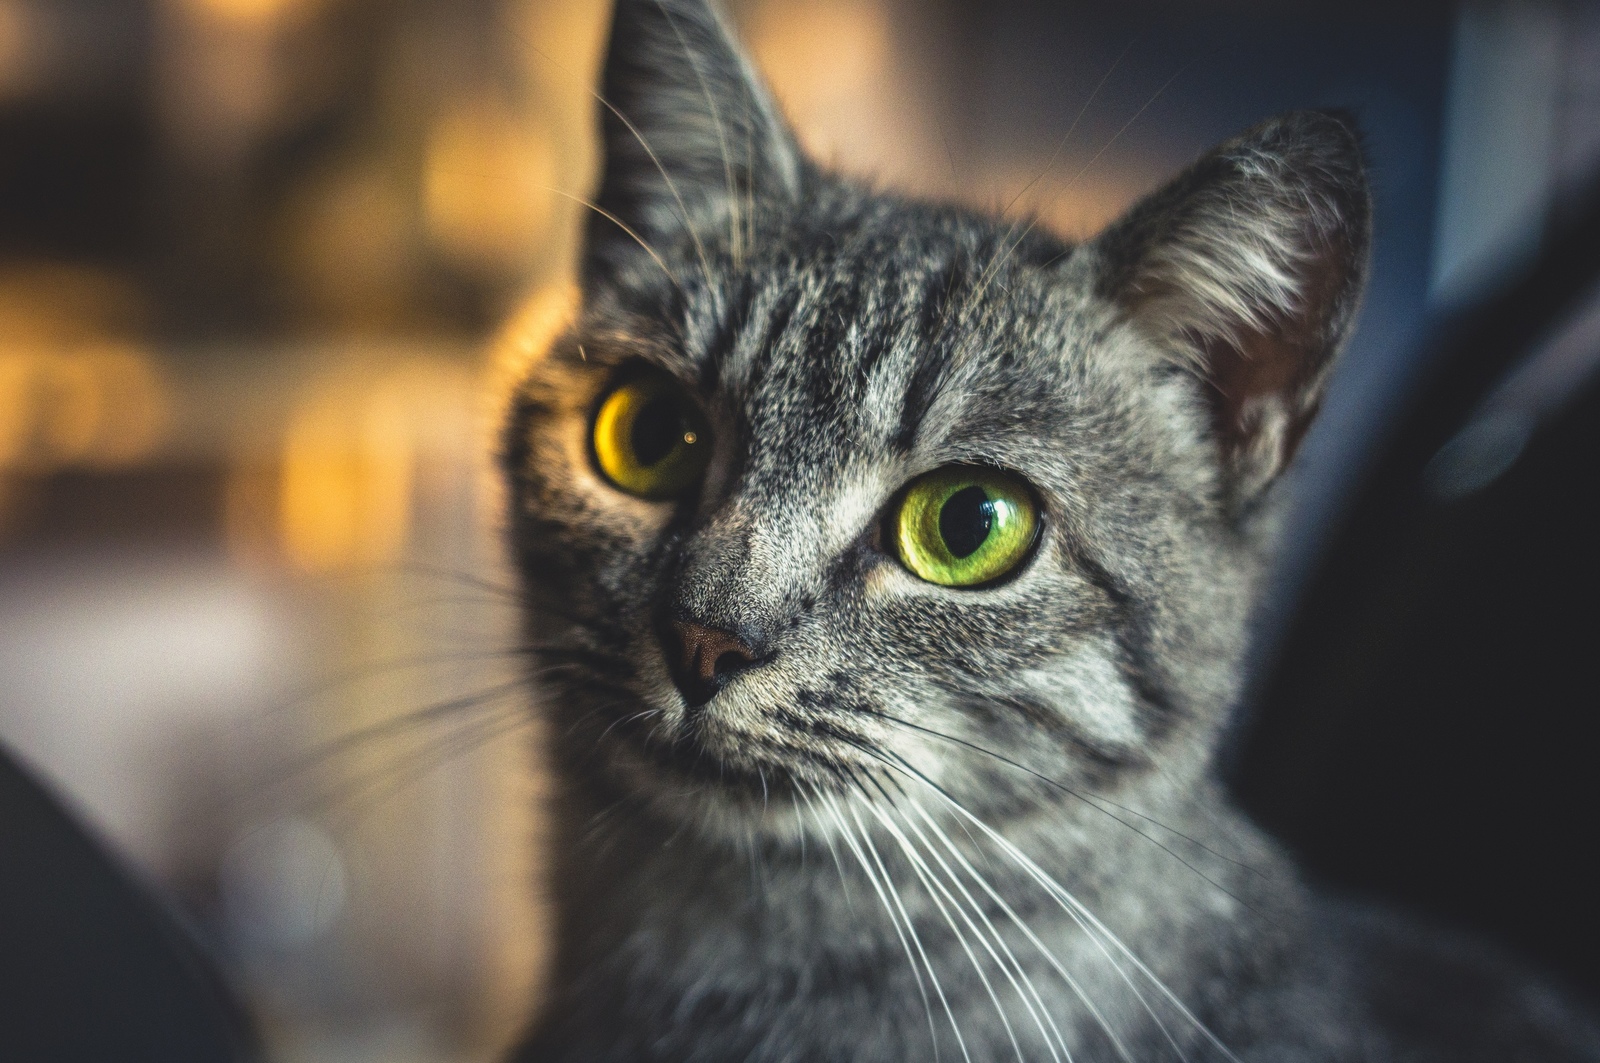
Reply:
x=649, y=439
x=962, y=526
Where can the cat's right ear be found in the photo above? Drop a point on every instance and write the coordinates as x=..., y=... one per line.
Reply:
x=691, y=138
x=1247, y=270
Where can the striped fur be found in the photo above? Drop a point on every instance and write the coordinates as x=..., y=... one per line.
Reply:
x=936, y=822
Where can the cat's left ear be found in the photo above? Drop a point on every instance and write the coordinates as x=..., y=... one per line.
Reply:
x=1249, y=268
x=690, y=134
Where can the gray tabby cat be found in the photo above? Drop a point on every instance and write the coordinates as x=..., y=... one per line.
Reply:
x=890, y=566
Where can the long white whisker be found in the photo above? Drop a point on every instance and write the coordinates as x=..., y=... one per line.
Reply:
x=683, y=208
x=1028, y=932
x=906, y=768
x=910, y=928
x=1098, y=802
x=1000, y=257
x=827, y=836
x=467, y=739
x=1071, y=129
x=931, y=881
x=976, y=907
x=1101, y=934
x=749, y=227
x=972, y=957
x=1089, y=165
x=1096, y=931
x=802, y=846
x=619, y=721
x=619, y=223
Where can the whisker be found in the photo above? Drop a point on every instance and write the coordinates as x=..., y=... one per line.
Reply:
x=1093, y=929
x=619, y=223
x=1071, y=129
x=418, y=568
x=607, y=706
x=1027, y=931
x=866, y=838
x=749, y=186
x=1090, y=164
x=1093, y=801
x=999, y=259
x=683, y=208
x=1127, y=125
x=594, y=828
x=993, y=931
x=716, y=123
x=758, y=880
x=1077, y=913
x=633, y=130
x=1101, y=934
x=383, y=728
x=911, y=930
x=802, y=833
x=619, y=721
x=313, y=690
x=939, y=894
x=360, y=795
x=844, y=882
x=468, y=740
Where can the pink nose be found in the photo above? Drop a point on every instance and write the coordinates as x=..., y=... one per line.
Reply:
x=704, y=658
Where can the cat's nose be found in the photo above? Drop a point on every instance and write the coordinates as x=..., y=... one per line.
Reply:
x=703, y=659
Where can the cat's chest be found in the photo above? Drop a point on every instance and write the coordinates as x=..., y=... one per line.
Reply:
x=830, y=968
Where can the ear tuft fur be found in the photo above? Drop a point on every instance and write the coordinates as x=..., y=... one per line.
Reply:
x=1248, y=268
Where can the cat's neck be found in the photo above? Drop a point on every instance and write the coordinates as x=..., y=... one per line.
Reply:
x=1196, y=861
x=656, y=920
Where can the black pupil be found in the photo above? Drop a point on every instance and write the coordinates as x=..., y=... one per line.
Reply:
x=657, y=429
x=965, y=520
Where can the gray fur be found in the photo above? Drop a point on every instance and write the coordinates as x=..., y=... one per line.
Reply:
x=742, y=881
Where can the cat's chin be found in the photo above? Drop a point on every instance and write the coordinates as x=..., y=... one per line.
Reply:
x=685, y=784
x=743, y=780
x=726, y=805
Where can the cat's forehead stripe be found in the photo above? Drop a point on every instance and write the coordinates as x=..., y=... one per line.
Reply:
x=857, y=349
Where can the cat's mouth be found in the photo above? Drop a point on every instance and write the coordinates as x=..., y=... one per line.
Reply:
x=712, y=759
x=759, y=777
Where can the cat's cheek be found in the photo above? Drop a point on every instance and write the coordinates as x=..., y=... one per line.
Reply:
x=617, y=513
x=1088, y=692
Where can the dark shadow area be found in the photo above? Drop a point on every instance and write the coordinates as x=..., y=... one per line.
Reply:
x=94, y=967
x=1426, y=733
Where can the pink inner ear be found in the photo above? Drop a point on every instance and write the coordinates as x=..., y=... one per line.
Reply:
x=1259, y=372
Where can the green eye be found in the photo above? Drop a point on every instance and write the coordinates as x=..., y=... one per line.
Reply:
x=962, y=526
x=649, y=439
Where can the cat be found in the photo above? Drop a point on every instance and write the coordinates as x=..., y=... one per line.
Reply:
x=888, y=568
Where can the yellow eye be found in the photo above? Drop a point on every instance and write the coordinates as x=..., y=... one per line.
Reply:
x=649, y=439
x=962, y=525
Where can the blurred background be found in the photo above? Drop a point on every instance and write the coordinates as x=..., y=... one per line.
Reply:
x=253, y=624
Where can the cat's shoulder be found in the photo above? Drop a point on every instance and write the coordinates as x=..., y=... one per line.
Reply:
x=1438, y=994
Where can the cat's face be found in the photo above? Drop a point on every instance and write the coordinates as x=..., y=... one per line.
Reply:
x=823, y=486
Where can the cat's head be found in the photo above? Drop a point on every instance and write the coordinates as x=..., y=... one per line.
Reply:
x=824, y=484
